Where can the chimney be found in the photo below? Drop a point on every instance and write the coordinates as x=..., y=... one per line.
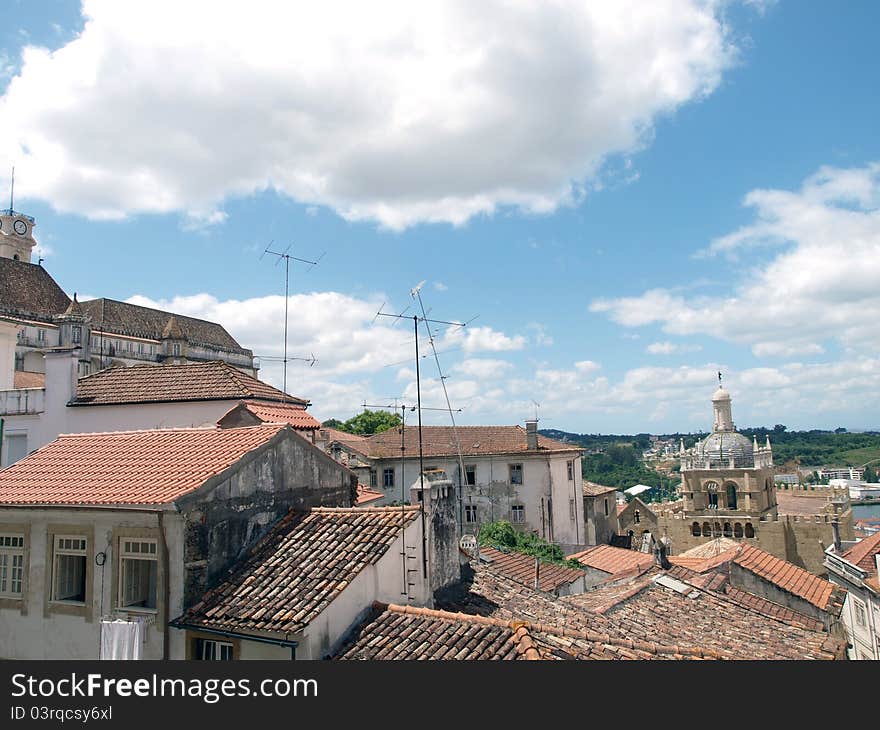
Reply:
x=532, y=435
x=436, y=493
x=835, y=532
x=61, y=366
x=8, y=338
x=661, y=550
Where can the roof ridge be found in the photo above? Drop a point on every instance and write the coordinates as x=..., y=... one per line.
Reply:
x=172, y=429
x=362, y=510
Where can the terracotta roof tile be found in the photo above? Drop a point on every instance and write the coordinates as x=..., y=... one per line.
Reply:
x=293, y=414
x=28, y=291
x=127, y=467
x=644, y=613
x=365, y=495
x=521, y=568
x=214, y=380
x=591, y=489
x=786, y=576
x=474, y=441
x=134, y=320
x=22, y=379
x=613, y=560
x=863, y=552
x=298, y=568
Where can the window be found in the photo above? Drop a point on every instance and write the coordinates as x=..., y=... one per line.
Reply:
x=11, y=565
x=213, y=650
x=606, y=506
x=707, y=530
x=373, y=480
x=470, y=475
x=41, y=335
x=570, y=466
x=387, y=478
x=69, y=569
x=518, y=513
x=140, y=348
x=859, y=611
x=516, y=473
x=728, y=531
x=749, y=530
x=695, y=529
x=175, y=349
x=470, y=513
x=737, y=530
x=138, y=568
x=16, y=447
x=637, y=517
x=731, y=496
x=712, y=492
x=572, y=515
x=76, y=334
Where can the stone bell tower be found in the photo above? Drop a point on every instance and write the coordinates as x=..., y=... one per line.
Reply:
x=16, y=235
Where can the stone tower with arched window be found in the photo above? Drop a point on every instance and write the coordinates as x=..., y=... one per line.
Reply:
x=727, y=479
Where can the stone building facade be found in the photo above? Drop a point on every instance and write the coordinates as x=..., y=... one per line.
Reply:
x=728, y=490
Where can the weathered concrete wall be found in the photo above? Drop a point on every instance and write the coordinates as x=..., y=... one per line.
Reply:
x=232, y=511
x=748, y=581
x=599, y=526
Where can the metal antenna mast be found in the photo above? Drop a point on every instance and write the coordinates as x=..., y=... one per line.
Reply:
x=415, y=320
x=287, y=258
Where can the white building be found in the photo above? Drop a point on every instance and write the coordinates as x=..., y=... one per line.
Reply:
x=124, y=398
x=108, y=332
x=856, y=566
x=503, y=473
x=134, y=526
x=842, y=472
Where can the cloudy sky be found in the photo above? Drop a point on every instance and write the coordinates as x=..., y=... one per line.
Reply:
x=620, y=198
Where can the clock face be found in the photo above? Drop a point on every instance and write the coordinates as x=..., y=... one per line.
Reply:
x=20, y=227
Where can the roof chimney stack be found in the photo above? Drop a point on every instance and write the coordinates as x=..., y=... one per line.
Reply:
x=532, y=435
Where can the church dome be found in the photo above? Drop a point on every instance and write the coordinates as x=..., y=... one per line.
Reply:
x=719, y=447
x=720, y=394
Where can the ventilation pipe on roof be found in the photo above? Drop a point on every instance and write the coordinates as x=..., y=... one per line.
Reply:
x=532, y=435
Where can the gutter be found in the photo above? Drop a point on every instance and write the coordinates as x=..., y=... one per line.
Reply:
x=290, y=643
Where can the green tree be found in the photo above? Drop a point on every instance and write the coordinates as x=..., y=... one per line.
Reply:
x=332, y=423
x=370, y=422
x=870, y=475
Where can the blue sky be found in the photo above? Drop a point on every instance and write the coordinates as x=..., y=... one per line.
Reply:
x=624, y=211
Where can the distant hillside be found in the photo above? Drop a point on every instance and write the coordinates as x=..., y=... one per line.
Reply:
x=808, y=448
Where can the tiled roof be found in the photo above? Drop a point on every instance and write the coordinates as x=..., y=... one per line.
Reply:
x=168, y=383
x=22, y=379
x=127, y=467
x=591, y=489
x=639, y=610
x=296, y=415
x=407, y=633
x=474, y=441
x=365, y=495
x=521, y=568
x=787, y=576
x=294, y=572
x=27, y=290
x=613, y=560
x=863, y=552
x=109, y=315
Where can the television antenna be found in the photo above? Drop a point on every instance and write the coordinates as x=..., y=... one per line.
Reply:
x=287, y=258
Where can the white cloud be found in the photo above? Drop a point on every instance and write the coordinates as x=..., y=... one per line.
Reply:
x=440, y=286
x=670, y=348
x=482, y=368
x=393, y=111
x=818, y=284
x=485, y=339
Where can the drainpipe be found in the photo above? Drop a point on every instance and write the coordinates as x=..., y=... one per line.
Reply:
x=165, y=585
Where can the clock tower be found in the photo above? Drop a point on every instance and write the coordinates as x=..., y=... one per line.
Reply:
x=16, y=235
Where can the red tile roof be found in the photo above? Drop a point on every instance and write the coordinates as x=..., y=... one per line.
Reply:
x=474, y=441
x=295, y=415
x=214, y=380
x=408, y=632
x=22, y=379
x=521, y=568
x=613, y=560
x=302, y=564
x=863, y=552
x=365, y=495
x=591, y=489
x=787, y=576
x=127, y=467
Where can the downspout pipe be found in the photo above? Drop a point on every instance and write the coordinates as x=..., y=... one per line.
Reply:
x=166, y=572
